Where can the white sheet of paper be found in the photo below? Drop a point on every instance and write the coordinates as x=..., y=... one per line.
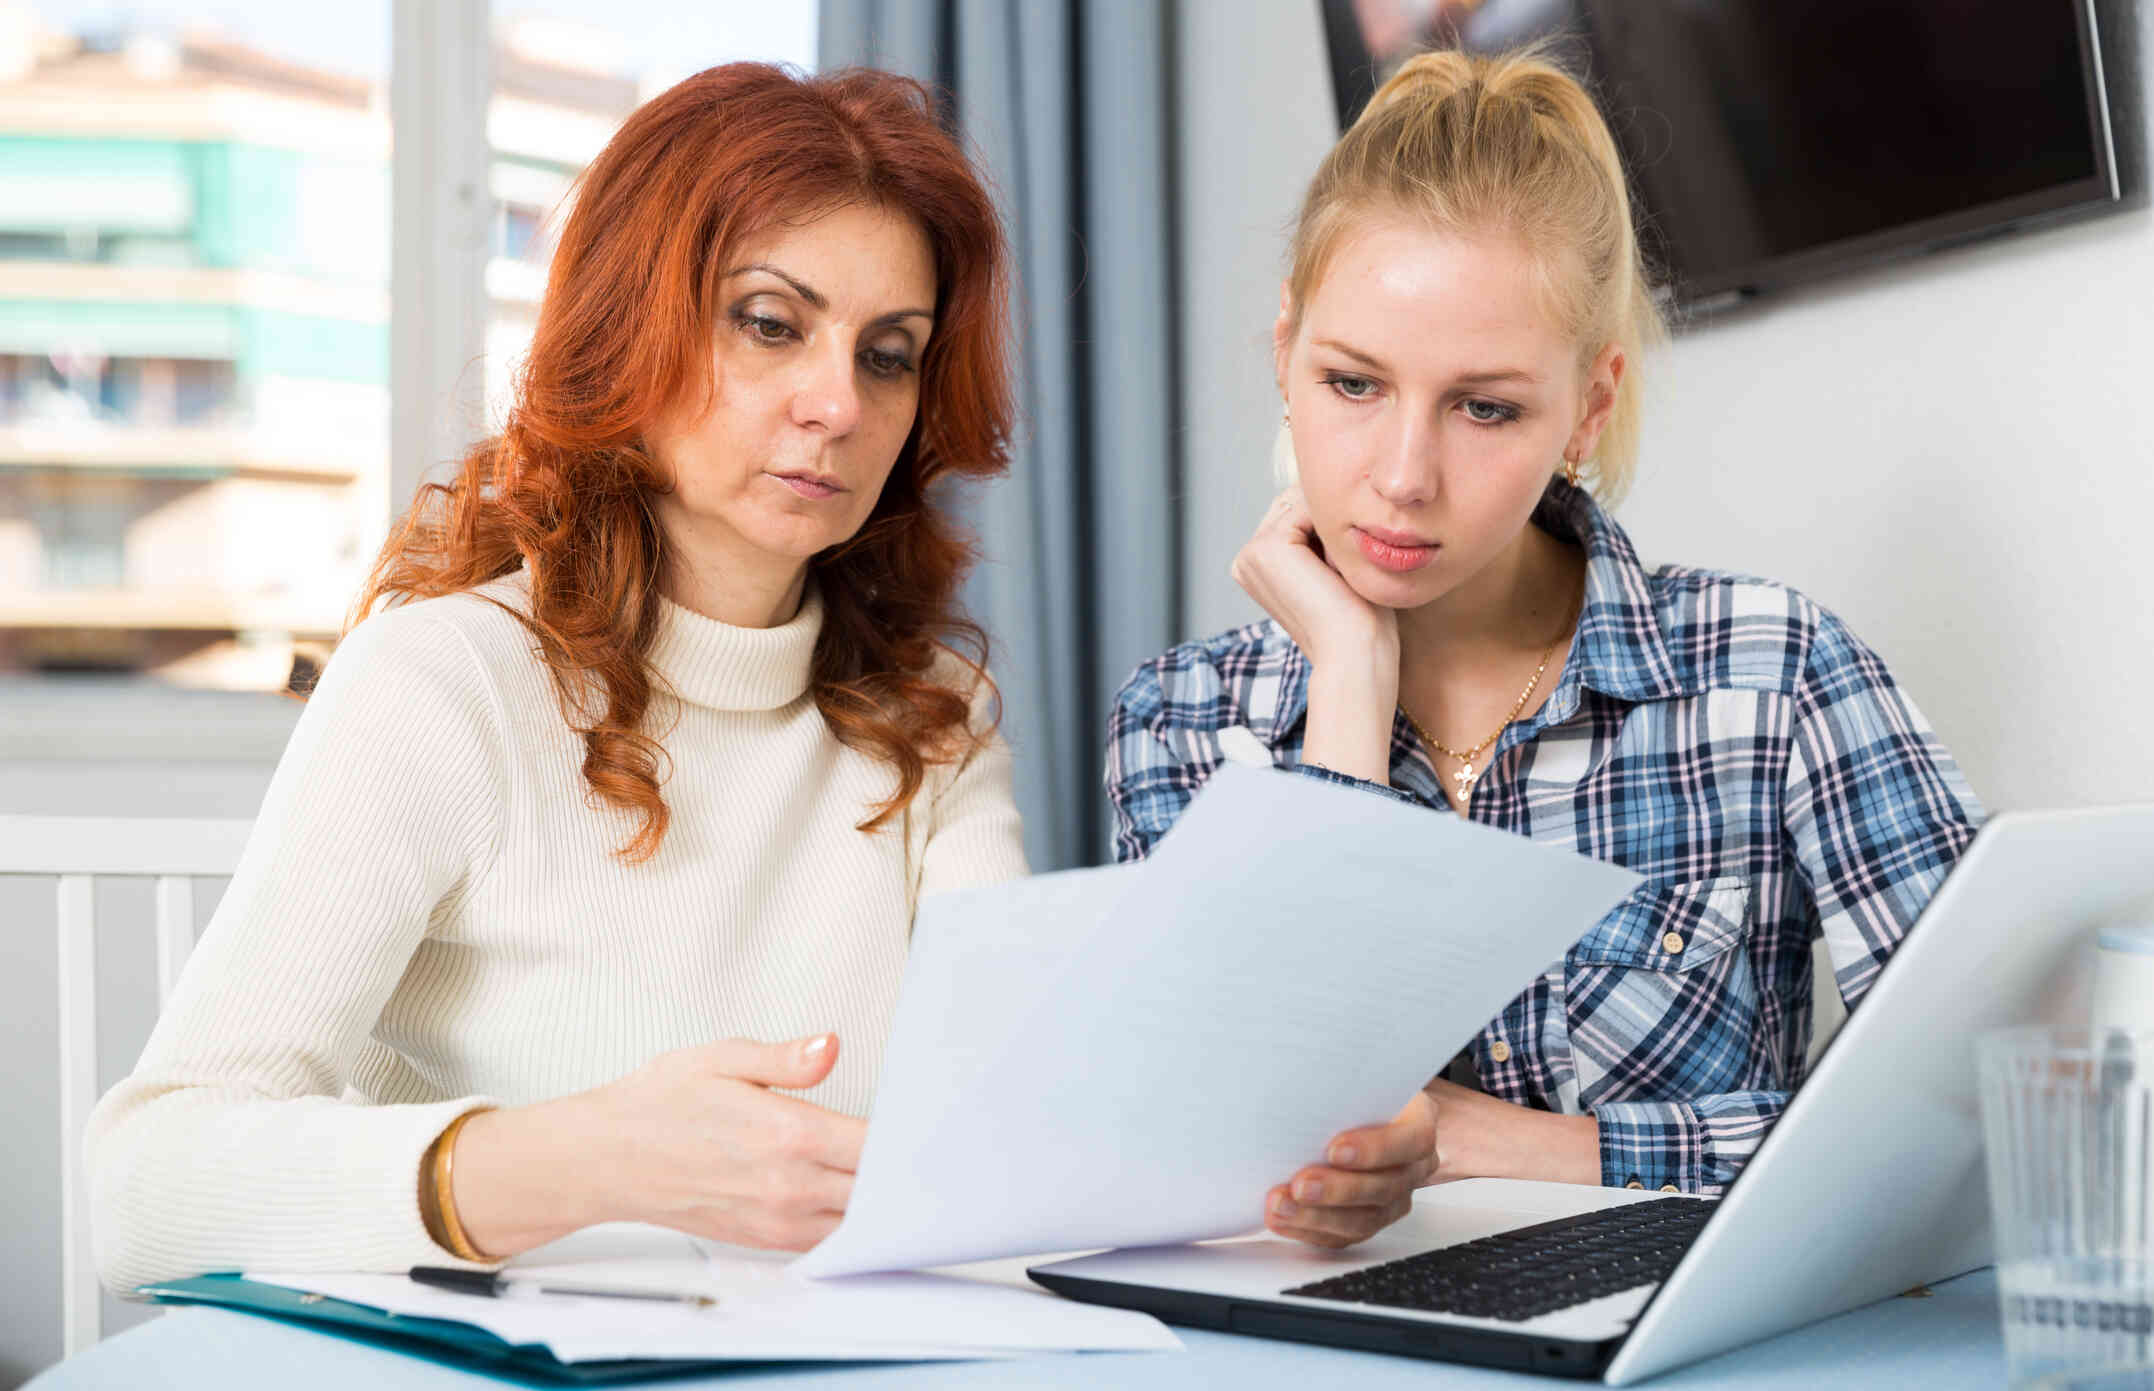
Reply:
x=764, y=1314
x=1135, y=1055
x=950, y=1309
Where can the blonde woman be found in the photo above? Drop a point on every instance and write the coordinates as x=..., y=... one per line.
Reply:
x=1456, y=621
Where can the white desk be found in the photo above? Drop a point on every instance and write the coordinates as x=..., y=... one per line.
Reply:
x=1949, y=1342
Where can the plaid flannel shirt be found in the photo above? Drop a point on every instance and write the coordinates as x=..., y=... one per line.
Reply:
x=1723, y=736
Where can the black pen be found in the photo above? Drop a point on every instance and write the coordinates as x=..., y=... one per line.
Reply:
x=494, y=1286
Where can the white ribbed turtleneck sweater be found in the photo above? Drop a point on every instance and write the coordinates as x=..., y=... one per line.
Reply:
x=429, y=916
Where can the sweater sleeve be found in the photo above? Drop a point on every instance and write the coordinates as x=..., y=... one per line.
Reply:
x=239, y=1141
x=974, y=832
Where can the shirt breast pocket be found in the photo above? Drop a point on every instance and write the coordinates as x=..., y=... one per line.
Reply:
x=1659, y=996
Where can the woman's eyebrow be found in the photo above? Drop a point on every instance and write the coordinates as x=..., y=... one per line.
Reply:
x=1355, y=353
x=1485, y=377
x=800, y=287
x=815, y=297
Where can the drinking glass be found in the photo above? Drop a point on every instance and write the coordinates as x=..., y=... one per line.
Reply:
x=2066, y=1124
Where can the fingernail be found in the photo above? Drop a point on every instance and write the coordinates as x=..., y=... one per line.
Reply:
x=1309, y=1190
x=817, y=1046
x=1283, y=1206
x=1344, y=1155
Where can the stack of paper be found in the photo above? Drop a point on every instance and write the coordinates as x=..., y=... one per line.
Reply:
x=1134, y=1056
x=763, y=1313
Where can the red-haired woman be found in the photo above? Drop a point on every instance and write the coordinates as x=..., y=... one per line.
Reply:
x=607, y=825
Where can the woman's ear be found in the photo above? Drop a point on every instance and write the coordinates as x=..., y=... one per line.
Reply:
x=1602, y=377
x=1282, y=336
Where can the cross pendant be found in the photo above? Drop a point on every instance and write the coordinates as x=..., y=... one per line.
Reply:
x=1464, y=778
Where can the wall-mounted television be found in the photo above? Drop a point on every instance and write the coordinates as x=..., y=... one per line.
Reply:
x=1772, y=142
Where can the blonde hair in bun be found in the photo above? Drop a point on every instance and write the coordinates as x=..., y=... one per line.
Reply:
x=1509, y=144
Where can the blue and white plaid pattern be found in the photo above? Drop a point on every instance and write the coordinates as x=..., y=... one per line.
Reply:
x=1726, y=738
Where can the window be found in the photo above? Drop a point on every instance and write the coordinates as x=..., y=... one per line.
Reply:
x=83, y=522
x=194, y=407
x=566, y=74
x=194, y=300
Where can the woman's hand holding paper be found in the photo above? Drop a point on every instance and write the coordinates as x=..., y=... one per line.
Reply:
x=1366, y=1183
x=1446, y=1132
x=696, y=1140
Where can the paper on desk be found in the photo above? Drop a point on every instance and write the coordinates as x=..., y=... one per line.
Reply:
x=763, y=1313
x=1135, y=1055
x=950, y=1309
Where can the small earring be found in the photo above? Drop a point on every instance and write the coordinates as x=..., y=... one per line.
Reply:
x=1286, y=413
x=1570, y=470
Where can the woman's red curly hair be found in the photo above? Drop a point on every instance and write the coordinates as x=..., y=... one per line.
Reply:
x=631, y=308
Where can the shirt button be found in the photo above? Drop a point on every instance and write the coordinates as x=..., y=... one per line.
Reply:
x=1669, y=1188
x=1634, y=1184
x=1499, y=1051
x=1673, y=943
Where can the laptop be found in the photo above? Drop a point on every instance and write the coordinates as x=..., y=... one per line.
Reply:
x=1871, y=1183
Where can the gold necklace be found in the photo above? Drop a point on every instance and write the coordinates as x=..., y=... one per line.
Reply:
x=1466, y=776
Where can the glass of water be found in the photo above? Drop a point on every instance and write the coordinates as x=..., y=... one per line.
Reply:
x=2066, y=1124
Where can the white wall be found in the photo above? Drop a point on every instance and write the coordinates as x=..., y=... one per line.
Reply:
x=1953, y=453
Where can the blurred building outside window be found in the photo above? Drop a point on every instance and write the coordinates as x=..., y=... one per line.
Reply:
x=194, y=304
x=193, y=308
x=566, y=73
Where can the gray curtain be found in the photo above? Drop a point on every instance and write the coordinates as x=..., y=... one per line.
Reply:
x=1066, y=105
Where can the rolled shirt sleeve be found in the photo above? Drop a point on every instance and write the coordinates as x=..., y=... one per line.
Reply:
x=1690, y=1146
x=1875, y=813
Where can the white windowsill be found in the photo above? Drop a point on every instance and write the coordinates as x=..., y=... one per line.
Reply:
x=73, y=718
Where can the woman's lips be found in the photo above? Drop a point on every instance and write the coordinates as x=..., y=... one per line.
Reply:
x=1395, y=551
x=810, y=485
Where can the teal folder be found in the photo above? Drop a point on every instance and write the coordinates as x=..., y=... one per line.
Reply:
x=459, y=1345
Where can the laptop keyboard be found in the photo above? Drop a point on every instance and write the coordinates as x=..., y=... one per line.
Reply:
x=1529, y=1271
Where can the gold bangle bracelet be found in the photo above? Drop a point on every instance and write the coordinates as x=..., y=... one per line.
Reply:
x=452, y=1226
